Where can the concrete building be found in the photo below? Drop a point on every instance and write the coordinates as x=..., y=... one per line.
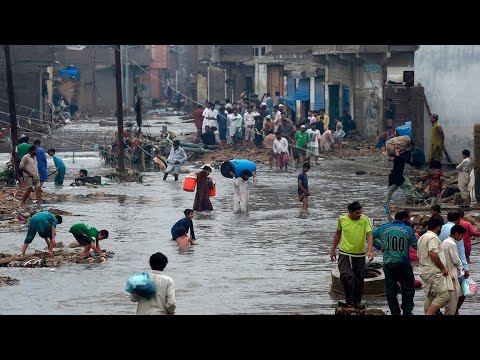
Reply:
x=231, y=72
x=292, y=71
x=220, y=71
x=95, y=90
x=32, y=68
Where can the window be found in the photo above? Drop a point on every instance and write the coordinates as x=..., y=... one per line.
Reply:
x=263, y=50
x=256, y=51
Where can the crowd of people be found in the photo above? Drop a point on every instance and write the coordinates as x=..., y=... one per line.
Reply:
x=31, y=168
x=441, y=249
x=435, y=176
x=249, y=123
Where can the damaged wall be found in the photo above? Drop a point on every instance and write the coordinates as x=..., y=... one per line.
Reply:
x=216, y=84
x=201, y=89
x=449, y=74
x=368, y=98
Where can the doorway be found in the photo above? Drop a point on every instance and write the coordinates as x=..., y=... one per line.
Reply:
x=333, y=103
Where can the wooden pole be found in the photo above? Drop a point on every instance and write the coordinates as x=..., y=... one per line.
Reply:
x=12, y=110
x=118, y=78
x=476, y=155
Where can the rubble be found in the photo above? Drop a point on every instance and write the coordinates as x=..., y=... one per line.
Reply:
x=129, y=175
x=354, y=146
x=350, y=311
x=12, y=214
x=42, y=259
x=6, y=280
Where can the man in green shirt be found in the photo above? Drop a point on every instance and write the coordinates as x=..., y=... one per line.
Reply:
x=88, y=237
x=395, y=239
x=352, y=229
x=301, y=138
x=43, y=223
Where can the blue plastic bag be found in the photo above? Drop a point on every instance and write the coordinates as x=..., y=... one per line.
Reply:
x=405, y=129
x=141, y=284
x=464, y=285
x=418, y=157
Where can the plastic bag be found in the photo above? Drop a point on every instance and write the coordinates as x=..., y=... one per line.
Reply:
x=141, y=284
x=405, y=129
x=469, y=287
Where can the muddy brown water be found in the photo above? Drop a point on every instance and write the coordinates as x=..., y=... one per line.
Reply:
x=274, y=260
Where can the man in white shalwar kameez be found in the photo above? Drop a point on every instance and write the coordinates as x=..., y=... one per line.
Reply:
x=175, y=160
x=242, y=191
x=464, y=169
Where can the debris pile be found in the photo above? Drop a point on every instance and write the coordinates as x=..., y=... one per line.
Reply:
x=352, y=311
x=129, y=175
x=12, y=214
x=6, y=280
x=42, y=259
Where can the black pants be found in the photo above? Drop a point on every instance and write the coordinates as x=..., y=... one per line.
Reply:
x=399, y=273
x=82, y=239
x=352, y=274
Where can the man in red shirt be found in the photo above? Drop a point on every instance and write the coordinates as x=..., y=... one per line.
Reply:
x=198, y=122
x=467, y=238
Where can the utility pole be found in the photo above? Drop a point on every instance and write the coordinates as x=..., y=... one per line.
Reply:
x=118, y=78
x=127, y=61
x=11, y=104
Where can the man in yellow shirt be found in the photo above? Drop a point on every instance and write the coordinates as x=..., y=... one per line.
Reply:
x=326, y=120
x=436, y=141
x=352, y=229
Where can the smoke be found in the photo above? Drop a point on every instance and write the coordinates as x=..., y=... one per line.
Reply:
x=450, y=75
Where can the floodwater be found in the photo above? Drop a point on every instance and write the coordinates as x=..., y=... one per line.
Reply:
x=274, y=260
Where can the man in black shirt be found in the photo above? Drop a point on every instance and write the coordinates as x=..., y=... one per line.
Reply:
x=208, y=137
x=397, y=180
x=390, y=112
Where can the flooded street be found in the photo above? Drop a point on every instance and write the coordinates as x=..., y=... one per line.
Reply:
x=275, y=260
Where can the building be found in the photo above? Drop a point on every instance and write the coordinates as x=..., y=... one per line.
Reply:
x=356, y=78
x=94, y=91
x=32, y=68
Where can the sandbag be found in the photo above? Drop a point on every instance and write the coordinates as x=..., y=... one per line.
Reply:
x=403, y=143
